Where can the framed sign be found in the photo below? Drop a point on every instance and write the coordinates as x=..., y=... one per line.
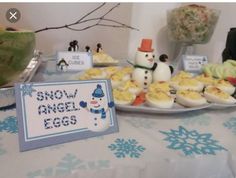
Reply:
x=194, y=63
x=73, y=61
x=57, y=112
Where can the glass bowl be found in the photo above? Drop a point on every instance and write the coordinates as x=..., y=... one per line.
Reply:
x=191, y=24
x=16, y=51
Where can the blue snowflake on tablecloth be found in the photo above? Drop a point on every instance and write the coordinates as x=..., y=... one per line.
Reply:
x=9, y=125
x=195, y=118
x=231, y=124
x=141, y=123
x=69, y=164
x=123, y=148
x=48, y=172
x=191, y=142
x=27, y=89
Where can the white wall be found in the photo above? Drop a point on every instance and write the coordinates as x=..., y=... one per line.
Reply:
x=150, y=18
x=39, y=15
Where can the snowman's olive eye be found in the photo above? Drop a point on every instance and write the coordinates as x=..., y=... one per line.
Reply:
x=146, y=55
x=92, y=98
x=100, y=99
x=153, y=56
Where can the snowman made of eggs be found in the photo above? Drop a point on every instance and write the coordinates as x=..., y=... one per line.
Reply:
x=146, y=69
x=144, y=64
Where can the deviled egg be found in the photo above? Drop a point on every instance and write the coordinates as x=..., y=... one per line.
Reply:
x=127, y=70
x=190, y=98
x=84, y=77
x=96, y=73
x=178, y=77
x=123, y=97
x=159, y=86
x=111, y=70
x=189, y=84
x=206, y=80
x=225, y=86
x=118, y=78
x=131, y=86
x=216, y=95
x=159, y=99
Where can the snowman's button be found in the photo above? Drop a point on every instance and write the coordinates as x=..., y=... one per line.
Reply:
x=95, y=118
x=146, y=71
x=145, y=83
x=145, y=77
x=95, y=124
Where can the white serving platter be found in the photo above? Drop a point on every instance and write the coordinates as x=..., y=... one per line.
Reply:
x=106, y=64
x=177, y=108
x=152, y=110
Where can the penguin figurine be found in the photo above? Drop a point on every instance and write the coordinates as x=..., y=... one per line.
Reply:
x=163, y=71
x=71, y=48
x=87, y=49
x=99, y=48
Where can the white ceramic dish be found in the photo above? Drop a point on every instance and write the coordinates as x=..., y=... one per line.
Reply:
x=105, y=64
x=221, y=106
x=176, y=109
x=147, y=109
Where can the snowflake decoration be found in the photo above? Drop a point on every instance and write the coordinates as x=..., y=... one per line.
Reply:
x=141, y=123
x=9, y=125
x=27, y=89
x=48, y=172
x=231, y=124
x=194, y=118
x=125, y=148
x=192, y=142
x=202, y=121
x=69, y=164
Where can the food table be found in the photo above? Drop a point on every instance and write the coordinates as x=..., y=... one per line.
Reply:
x=189, y=144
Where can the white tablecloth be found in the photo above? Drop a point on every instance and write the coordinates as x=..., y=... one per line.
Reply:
x=198, y=144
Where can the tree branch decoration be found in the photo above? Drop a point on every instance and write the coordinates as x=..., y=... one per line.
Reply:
x=97, y=21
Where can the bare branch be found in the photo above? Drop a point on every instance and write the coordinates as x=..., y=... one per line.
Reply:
x=97, y=19
x=86, y=15
x=111, y=10
x=81, y=29
x=114, y=21
x=116, y=26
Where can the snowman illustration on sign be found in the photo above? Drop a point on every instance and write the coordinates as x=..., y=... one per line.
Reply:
x=97, y=109
x=144, y=64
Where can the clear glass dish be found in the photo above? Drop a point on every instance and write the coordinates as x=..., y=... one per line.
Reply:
x=191, y=24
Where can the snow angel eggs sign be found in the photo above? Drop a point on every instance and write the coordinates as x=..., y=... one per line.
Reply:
x=51, y=113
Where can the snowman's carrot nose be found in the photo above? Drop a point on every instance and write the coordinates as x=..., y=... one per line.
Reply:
x=93, y=102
